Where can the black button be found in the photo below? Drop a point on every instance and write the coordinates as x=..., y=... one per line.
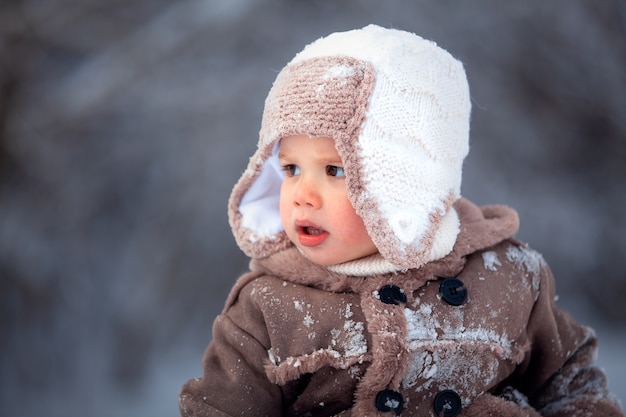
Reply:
x=388, y=400
x=452, y=291
x=390, y=294
x=447, y=403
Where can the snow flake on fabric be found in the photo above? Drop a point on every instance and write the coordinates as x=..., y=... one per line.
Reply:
x=450, y=364
x=339, y=71
x=392, y=404
x=491, y=261
x=439, y=346
x=346, y=349
x=346, y=343
x=420, y=324
x=355, y=372
x=423, y=325
x=273, y=357
x=349, y=312
x=308, y=320
x=350, y=338
x=528, y=261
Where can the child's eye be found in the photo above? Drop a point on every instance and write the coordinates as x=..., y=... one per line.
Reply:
x=291, y=170
x=335, y=171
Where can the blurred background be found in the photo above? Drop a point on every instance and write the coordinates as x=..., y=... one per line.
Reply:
x=125, y=123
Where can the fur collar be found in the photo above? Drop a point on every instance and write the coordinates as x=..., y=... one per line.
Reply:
x=481, y=227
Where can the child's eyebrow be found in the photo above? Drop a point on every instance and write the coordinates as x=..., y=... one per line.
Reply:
x=332, y=161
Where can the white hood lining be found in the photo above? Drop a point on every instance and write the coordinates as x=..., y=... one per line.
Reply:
x=260, y=206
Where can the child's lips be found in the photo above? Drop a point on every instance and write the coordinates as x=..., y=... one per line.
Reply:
x=309, y=234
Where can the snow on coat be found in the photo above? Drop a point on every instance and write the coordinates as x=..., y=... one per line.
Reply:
x=295, y=339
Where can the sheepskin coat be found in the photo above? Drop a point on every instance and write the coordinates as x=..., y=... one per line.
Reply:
x=296, y=339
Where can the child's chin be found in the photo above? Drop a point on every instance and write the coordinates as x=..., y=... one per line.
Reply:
x=318, y=258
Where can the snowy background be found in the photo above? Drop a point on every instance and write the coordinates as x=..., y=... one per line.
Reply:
x=125, y=123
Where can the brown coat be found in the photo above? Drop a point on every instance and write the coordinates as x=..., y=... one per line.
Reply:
x=297, y=340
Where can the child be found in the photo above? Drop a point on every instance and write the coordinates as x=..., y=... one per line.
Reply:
x=374, y=288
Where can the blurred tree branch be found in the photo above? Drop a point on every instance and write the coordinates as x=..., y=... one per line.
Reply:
x=12, y=40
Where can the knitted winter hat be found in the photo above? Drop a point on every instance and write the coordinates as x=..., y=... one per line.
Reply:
x=398, y=109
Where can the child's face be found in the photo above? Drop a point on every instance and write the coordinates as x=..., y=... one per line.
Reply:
x=314, y=207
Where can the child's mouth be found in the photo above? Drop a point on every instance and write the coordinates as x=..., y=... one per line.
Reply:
x=309, y=234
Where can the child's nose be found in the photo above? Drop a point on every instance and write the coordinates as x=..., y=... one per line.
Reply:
x=307, y=194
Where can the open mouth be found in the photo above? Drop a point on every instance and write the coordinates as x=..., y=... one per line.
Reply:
x=310, y=234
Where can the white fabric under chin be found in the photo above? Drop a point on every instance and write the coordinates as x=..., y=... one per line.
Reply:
x=371, y=265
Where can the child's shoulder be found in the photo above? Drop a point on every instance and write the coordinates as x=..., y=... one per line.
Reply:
x=509, y=264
